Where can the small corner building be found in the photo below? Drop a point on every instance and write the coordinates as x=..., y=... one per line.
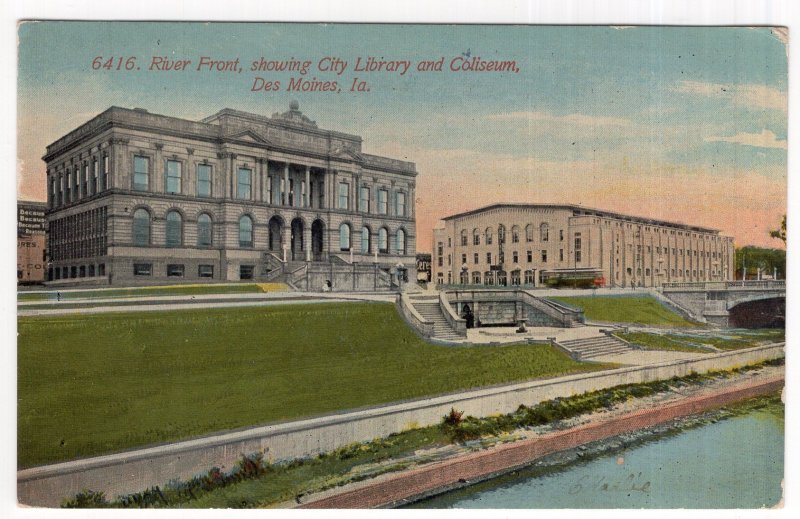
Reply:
x=139, y=198
x=541, y=245
x=31, y=242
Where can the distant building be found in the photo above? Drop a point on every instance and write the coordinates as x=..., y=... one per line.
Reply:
x=141, y=198
x=31, y=242
x=423, y=266
x=544, y=244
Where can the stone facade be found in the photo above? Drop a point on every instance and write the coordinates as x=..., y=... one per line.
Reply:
x=138, y=198
x=541, y=244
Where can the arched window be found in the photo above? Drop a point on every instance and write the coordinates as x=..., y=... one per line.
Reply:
x=204, y=235
x=401, y=241
x=344, y=237
x=174, y=229
x=476, y=237
x=488, y=236
x=383, y=240
x=501, y=234
x=141, y=227
x=544, y=232
x=245, y=231
x=463, y=237
x=529, y=233
x=365, y=240
x=515, y=234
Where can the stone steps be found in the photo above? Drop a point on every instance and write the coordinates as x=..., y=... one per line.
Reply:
x=592, y=347
x=430, y=311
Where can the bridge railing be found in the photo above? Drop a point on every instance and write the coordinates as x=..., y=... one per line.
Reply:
x=752, y=284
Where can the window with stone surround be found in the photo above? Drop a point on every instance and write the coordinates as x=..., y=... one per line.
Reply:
x=344, y=192
x=173, y=177
x=174, y=229
x=383, y=201
x=204, y=180
x=141, y=173
x=245, y=231
x=363, y=200
x=344, y=237
x=141, y=227
x=400, y=204
x=204, y=230
x=383, y=241
x=244, y=181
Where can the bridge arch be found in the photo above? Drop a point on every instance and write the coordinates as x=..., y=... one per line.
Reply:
x=758, y=312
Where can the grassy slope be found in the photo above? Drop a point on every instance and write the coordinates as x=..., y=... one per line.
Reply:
x=727, y=340
x=176, y=290
x=626, y=309
x=95, y=384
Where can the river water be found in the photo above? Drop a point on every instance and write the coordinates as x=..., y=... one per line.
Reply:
x=736, y=462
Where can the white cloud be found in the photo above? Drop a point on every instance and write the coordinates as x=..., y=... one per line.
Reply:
x=575, y=119
x=765, y=139
x=749, y=96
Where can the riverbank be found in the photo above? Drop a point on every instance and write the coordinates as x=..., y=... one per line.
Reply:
x=474, y=463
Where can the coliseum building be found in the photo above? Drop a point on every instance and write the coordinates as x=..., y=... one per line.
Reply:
x=140, y=198
x=546, y=245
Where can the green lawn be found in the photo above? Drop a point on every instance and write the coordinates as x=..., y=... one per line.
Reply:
x=626, y=309
x=182, y=290
x=101, y=383
x=686, y=341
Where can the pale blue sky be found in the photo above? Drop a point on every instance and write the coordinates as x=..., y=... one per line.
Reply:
x=649, y=120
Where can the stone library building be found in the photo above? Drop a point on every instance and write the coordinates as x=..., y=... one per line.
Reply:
x=547, y=245
x=139, y=198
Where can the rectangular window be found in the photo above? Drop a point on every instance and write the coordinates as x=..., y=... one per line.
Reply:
x=475, y=258
x=561, y=235
x=560, y=254
x=85, y=189
x=205, y=271
x=530, y=256
x=383, y=201
x=141, y=173
x=105, y=172
x=515, y=257
x=441, y=260
x=577, y=249
x=95, y=175
x=243, y=183
x=175, y=271
x=400, y=204
x=142, y=269
x=489, y=258
x=91, y=271
x=544, y=256
x=440, y=249
x=463, y=259
x=203, y=180
x=246, y=271
x=344, y=191
x=363, y=200
x=173, y=177
x=101, y=269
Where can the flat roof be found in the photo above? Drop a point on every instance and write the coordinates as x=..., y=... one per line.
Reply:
x=578, y=210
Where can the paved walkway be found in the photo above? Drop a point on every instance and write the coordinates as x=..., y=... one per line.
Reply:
x=184, y=302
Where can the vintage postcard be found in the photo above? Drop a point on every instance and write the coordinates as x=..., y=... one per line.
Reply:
x=328, y=265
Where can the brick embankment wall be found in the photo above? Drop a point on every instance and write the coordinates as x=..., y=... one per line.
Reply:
x=395, y=488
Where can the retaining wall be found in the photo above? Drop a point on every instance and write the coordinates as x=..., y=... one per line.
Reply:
x=396, y=488
x=136, y=470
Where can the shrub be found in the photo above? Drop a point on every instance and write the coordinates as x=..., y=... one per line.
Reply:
x=86, y=499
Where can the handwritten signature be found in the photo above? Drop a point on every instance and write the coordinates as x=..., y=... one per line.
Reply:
x=633, y=482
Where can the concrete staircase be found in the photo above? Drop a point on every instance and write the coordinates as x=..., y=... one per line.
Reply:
x=430, y=311
x=591, y=347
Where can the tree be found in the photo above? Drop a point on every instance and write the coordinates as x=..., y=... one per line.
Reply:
x=780, y=233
